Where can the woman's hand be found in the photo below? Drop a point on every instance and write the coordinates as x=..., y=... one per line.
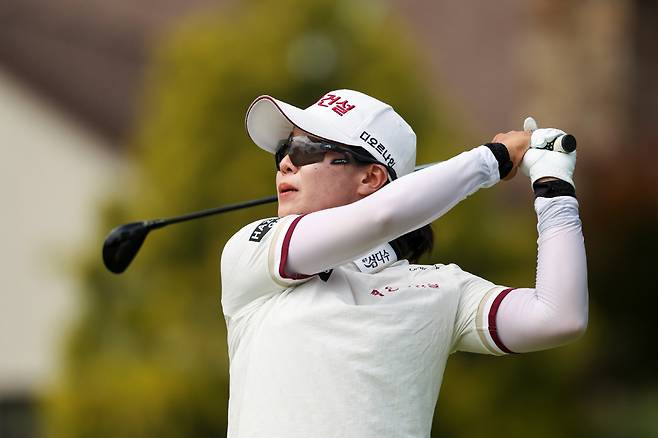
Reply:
x=517, y=143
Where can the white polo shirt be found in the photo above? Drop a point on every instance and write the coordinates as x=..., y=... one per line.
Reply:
x=358, y=351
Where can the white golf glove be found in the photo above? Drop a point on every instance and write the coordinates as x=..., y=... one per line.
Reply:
x=539, y=163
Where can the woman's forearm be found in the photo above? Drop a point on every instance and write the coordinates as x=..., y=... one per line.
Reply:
x=328, y=238
x=555, y=311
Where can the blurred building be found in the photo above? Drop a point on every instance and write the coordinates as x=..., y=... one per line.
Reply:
x=54, y=173
x=70, y=78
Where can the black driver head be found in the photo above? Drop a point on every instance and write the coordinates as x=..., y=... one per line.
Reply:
x=122, y=244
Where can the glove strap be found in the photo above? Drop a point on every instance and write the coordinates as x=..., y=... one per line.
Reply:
x=553, y=188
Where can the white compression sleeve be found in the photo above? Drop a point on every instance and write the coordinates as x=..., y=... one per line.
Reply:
x=555, y=312
x=328, y=238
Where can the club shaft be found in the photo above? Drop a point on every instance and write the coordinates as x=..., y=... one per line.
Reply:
x=159, y=223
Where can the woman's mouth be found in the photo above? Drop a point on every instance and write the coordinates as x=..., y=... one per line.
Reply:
x=286, y=190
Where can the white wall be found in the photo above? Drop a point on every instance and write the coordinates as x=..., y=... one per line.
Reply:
x=53, y=174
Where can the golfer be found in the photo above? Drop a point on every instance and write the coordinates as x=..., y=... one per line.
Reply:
x=333, y=329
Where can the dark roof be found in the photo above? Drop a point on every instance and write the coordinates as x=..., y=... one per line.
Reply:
x=86, y=55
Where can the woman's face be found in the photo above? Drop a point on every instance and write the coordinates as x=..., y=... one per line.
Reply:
x=317, y=186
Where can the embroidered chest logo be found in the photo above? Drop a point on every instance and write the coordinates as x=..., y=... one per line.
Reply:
x=262, y=229
x=388, y=290
x=374, y=260
x=424, y=267
x=332, y=101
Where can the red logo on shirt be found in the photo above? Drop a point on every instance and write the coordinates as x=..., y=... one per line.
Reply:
x=390, y=289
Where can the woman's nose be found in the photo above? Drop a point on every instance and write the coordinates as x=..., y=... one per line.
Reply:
x=286, y=166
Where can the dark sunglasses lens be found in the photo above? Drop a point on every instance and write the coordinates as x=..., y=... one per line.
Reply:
x=280, y=154
x=303, y=153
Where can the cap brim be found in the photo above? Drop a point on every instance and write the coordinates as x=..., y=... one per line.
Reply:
x=270, y=120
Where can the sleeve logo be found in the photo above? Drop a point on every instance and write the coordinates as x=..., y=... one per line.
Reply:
x=373, y=260
x=261, y=230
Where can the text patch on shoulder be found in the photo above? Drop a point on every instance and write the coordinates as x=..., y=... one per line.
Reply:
x=262, y=229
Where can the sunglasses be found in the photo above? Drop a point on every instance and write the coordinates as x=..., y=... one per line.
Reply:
x=303, y=150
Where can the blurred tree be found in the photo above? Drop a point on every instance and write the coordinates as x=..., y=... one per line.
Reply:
x=148, y=357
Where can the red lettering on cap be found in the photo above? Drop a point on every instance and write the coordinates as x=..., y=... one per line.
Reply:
x=332, y=101
x=328, y=100
x=342, y=107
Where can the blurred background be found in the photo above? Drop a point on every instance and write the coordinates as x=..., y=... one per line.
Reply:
x=112, y=112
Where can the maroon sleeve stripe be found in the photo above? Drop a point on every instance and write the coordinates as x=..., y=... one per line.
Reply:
x=284, y=252
x=493, y=312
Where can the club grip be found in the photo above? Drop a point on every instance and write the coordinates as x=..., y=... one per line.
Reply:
x=565, y=143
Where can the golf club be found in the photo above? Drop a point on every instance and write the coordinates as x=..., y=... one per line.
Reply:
x=123, y=242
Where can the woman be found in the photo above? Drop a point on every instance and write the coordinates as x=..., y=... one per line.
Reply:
x=331, y=331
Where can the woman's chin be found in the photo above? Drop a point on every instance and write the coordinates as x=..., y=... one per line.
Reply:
x=286, y=209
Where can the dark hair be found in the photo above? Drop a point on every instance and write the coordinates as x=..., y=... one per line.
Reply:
x=414, y=244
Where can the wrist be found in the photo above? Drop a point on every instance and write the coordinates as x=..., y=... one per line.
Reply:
x=502, y=156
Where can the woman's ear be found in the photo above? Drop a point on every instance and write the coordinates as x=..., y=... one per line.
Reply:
x=374, y=178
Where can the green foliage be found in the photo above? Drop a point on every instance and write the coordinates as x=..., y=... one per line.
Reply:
x=148, y=357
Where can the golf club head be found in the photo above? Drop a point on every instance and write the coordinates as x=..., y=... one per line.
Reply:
x=122, y=244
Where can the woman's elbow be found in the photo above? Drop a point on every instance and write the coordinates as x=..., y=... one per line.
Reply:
x=567, y=329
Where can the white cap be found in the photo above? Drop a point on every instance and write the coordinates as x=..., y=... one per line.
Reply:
x=342, y=116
